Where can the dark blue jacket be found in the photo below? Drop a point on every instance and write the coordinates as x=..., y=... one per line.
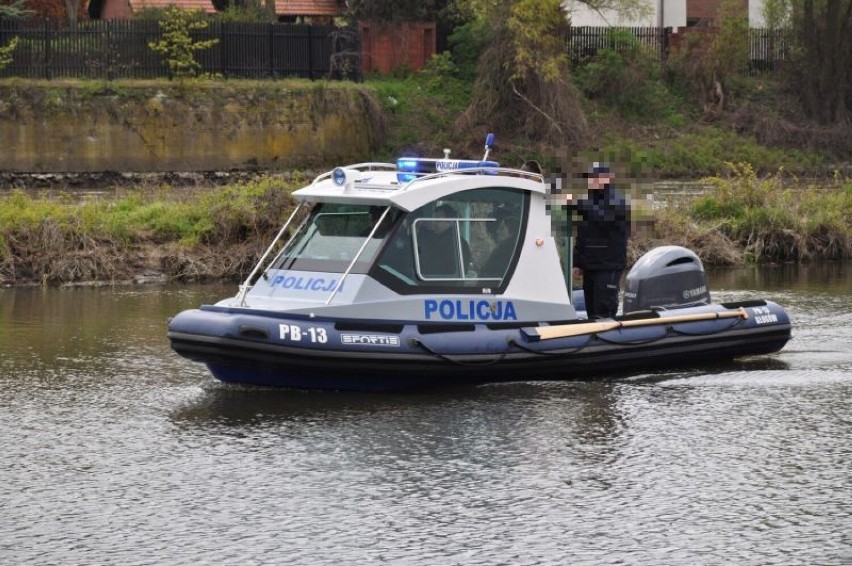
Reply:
x=602, y=231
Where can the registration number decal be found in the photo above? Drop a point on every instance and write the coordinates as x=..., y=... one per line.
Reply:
x=762, y=315
x=295, y=333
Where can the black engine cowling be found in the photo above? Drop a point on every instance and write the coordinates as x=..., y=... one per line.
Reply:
x=666, y=277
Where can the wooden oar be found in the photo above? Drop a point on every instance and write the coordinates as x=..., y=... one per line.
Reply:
x=566, y=330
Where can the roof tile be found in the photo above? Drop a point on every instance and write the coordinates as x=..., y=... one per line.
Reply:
x=282, y=7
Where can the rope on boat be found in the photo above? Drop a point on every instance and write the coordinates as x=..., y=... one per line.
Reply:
x=670, y=329
x=428, y=350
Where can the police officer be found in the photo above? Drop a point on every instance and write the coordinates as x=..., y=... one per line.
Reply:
x=600, y=252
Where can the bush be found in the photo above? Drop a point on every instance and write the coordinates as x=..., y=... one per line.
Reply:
x=626, y=77
x=779, y=218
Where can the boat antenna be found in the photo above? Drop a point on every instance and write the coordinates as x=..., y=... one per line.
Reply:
x=489, y=141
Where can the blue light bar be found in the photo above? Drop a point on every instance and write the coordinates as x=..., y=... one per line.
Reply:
x=412, y=167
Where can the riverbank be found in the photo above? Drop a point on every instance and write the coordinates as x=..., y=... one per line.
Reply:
x=141, y=233
x=81, y=126
x=210, y=231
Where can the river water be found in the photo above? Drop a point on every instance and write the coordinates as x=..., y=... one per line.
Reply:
x=116, y=451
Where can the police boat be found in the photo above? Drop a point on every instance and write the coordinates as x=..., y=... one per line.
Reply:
x=436, y=272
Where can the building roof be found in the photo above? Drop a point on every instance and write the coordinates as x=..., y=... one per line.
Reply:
x=310, y=7
x=282, y=7
x=204, y=5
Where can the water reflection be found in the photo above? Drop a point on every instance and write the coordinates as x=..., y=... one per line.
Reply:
x=118, y=451
x=588, y=409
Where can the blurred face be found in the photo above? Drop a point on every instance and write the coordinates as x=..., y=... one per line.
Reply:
x=599, y=181
x=440, y=227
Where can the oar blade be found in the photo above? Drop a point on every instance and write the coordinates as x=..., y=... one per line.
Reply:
x=568, y=330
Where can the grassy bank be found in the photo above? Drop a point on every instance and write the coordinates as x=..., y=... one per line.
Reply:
x=210, y=232
x=746, y=218
x=143, y=232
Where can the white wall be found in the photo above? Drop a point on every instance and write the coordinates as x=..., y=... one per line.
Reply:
x=674, y=14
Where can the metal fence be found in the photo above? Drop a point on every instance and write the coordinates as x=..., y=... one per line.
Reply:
x=768, y=49
x=119, y=49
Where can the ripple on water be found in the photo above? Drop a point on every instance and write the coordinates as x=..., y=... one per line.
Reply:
x=117, y=451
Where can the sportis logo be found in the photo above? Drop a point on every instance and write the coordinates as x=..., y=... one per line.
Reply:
x=370, y=339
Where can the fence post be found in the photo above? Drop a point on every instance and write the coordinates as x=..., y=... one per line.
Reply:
x=46, y=49
x=271, y=36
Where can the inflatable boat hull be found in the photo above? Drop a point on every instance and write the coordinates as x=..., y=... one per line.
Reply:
x=272, y=349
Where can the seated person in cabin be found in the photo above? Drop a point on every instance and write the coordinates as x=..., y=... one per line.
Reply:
x=376, y=215
x=504, y=231
x=439, y=243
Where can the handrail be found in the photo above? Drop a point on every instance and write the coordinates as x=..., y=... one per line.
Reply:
x=368, y=166
x=247, y=285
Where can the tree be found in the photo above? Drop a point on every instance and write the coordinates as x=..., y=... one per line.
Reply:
x=821, y=58
x=177, y=46
x=716, y=52
x=629, y=9
x=245, y=11
x=776, y=14
x=72, y=10
x=822, y=69
x=522, y=85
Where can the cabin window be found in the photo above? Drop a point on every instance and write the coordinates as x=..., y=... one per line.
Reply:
x=465, y=243
x=332, y=235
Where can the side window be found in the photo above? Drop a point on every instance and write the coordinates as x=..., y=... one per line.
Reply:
x=467, y=243
x=443, y=251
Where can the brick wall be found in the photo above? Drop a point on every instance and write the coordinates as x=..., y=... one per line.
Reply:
x=706, y=9
x=387, y=47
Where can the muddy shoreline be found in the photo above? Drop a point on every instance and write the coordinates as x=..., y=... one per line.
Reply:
x=108, y=180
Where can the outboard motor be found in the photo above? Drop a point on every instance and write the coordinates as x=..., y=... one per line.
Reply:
x=666, y=277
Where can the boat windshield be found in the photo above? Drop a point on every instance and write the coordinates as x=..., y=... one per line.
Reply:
x=332, y=236
x=464, y=243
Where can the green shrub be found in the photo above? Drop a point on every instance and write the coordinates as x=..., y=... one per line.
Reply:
x=626, y=76
x=177, y=46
